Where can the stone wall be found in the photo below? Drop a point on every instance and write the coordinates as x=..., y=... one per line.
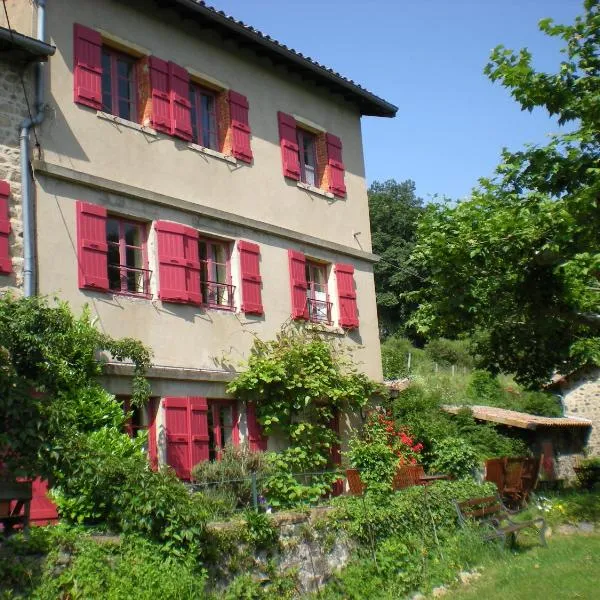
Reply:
x=308, y=545
x=13, y=109
x=581, y=398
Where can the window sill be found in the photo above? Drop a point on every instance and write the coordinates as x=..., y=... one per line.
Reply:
x=130, y=295
x=314, y=190
x=322, y=328
x=214, y=153
x=125, y=123
x=219, y=307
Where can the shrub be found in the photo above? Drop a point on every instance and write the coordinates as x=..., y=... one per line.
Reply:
x=449, y=352
x=379, y=448
x=454, y=456
x=484, y=388
x=376, y=462
x=108, y=483
x=135, y=568
x=231, y=475
x=485, y=439
x=588, y=473
x=413, y=511
x=540, y=403
x=394, y=357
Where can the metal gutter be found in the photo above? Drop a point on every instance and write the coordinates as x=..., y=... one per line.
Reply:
x=35, y=47
x=29, y=274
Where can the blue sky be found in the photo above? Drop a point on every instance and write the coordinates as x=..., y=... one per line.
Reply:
x=427, y=57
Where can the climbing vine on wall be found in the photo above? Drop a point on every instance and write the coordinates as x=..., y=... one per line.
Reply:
x=300, y=381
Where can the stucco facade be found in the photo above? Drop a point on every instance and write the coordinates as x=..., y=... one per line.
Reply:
x=132, y=171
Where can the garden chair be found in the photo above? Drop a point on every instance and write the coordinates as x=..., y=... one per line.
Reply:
x=355, y=484
x=494, y=472
x=496, y=520
x=513, y=480
x=407, y=476
x=529, y=476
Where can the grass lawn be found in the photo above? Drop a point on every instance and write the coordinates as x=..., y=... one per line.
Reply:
x=568, y=568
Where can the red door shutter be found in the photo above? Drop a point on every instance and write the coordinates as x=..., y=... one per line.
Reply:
x=5, y=261
x=347, y=295
x=152, y=446
x=91, y=246
x=198, y=430
x=177, y=425
x=172, y=269
x=289, y=146
x=181, y=108
x=298, y=285
x=251, y=279
x=336, y=165
x=256, y=439
x=161, y=102
x=240, y=143
x=87, y=66
x=42, y=510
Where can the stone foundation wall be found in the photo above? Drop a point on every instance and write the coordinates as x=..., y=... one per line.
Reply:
x=581, y=397
x=13, y=109
x=306, y=545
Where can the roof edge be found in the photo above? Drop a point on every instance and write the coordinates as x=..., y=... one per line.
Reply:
x=368, y=103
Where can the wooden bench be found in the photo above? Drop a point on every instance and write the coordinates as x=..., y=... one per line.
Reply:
x=19, y=495
x=491, y=513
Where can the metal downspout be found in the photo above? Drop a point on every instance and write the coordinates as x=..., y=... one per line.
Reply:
x=29, y=275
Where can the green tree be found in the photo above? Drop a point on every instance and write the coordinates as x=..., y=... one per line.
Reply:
x=50, y=361
x=394, y=210
x=518, y=264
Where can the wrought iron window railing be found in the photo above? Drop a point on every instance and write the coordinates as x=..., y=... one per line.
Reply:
x=218, y=295
x=129, y=280
x=319, y=311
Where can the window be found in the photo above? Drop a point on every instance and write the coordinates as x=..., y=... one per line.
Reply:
x=319, y=307
x=127, y=257
x=307, y=143
x=222, y=427
x=215, y=276
x=119, y=91
x=204, y=117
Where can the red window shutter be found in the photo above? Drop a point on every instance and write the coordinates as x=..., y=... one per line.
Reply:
x=192, y=265
x=251, y=279
x=161, y=100
x=298, y=285
x=177, y=425
x=336, y=165
x=5, y=261
x=87, y=66
x=256, y=439
x=347, y=295
x=289, y=146
x=198, y=430
x=240, y=143
x=181, y=108
x=178, y=263
x=91, y=246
